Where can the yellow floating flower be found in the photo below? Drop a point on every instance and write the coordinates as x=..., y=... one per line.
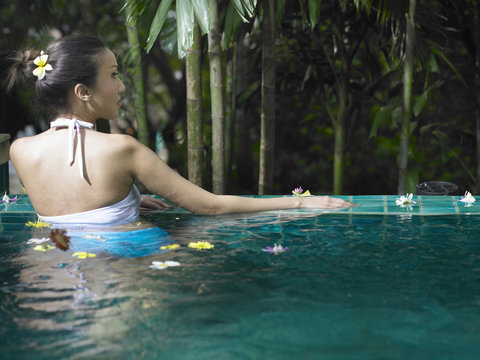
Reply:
x=169, y=247
x=41, y=62
x=44, y=247
x=38, y=224
x=299, y=192
x=83, y=255
x=201, y=245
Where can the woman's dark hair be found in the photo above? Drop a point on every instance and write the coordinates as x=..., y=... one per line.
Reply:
x=74, y=59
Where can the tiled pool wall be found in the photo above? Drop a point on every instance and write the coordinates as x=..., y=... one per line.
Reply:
x=15, y=214
x=4, y=157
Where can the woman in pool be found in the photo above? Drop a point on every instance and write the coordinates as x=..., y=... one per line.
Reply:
x=74, y=174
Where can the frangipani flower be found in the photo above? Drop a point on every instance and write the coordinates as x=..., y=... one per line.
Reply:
x=201, y=245
x=160, y=265
x=37, y=241
x=44, y=247
x=299, y=192
x=276, y=249
x=38, y=224
x=83, y=255
x=6, y=199
x=41, y=62
x=169, y=247
x=96, y=237
x=468, y=198
x=405, y=200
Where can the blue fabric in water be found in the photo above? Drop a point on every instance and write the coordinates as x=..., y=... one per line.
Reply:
x=127, y=244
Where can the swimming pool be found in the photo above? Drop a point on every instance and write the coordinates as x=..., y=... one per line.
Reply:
x=366, y=285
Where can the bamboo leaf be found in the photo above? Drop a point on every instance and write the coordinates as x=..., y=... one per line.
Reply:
x=185, y=23
x=419, y=104
x=314, y=12
x=239, y=7
x=202, y=15
x=249, y=6
x=232, y=22
x=381, y=118
x=437, y=52
x=157, y=23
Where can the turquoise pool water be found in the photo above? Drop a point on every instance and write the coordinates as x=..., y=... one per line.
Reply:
x=362, y=286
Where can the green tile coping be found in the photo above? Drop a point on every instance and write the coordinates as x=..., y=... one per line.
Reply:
x=368, y=204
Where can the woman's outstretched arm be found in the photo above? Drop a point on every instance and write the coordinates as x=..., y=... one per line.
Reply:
x=145, y=166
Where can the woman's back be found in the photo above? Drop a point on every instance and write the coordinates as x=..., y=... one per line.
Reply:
x=56, y=188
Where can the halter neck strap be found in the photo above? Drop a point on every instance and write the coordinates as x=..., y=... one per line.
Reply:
x=73, y=124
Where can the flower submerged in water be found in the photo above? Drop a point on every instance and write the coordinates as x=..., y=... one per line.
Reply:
x=44, y=247
x=83, y=255
x=60, y=238
x=468, y=198
x=6, y=199
x=37, y=241
x=169, y=247
x=95, y=237
x=201, y=245
x=405, y=201
x=160, y=265
x=276, y=249
x=299, y=192
x=38, y=224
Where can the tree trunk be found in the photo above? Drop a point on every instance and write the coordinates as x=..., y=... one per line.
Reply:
x=194, y=110
x=267, y=135
x=407, y=98
x=476, y=38
x=338, y=153
x=231, y=105
x=216, y=89
x=138, y=93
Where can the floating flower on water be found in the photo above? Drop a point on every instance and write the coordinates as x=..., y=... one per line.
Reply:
x=6, y=199
x=276, y=249
x=299, y=192
x=60, y=238
x=44, y=247
x=169, y=247
x=405, y=200
x=37, y=241
x=83, y=255
x=468, y=198
x=96, y=237
x=38, y=224
x=201, y=245
x=160, y=265
x=41, y=62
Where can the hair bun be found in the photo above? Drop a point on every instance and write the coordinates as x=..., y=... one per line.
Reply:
x=19, y=66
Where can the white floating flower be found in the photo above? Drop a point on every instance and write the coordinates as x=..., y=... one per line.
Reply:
x=37, y=241
x=160, y=265
x=405, y=200
x=275, y=249
x=468, y=198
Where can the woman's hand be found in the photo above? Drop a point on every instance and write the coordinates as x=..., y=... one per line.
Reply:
x=151, y=203
x=326, y=202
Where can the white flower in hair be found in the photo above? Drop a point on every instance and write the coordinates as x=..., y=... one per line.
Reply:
x=41, y=62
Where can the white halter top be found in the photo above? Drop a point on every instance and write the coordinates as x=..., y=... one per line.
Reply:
x=73, y=124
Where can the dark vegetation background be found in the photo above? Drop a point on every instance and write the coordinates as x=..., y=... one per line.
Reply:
x=443, y=139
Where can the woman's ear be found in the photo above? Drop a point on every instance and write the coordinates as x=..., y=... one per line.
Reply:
x=82, y=92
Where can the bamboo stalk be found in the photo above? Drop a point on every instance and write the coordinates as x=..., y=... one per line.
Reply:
x=216, y=90
x=194, y=110
x=267, y=135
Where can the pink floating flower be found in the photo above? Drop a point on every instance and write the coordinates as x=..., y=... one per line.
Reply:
x=6, y=199
x=299, y=192
x=276, y=249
